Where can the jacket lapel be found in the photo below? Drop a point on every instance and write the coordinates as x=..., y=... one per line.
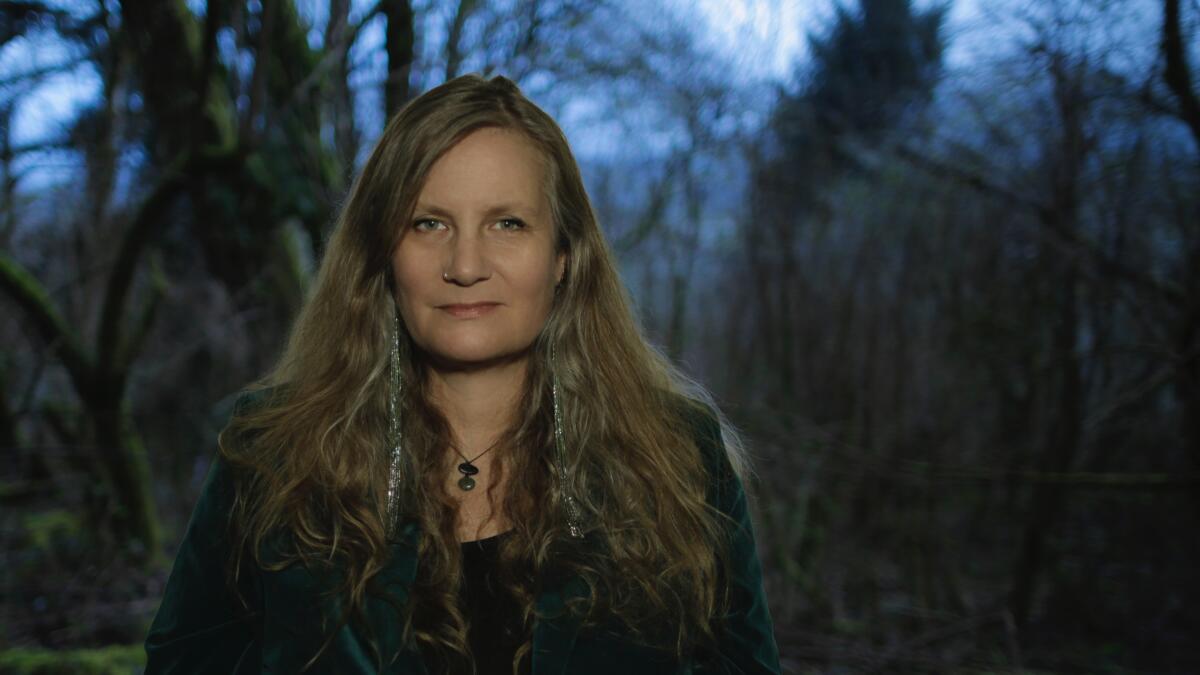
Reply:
x=396, y=578
x=554, y=635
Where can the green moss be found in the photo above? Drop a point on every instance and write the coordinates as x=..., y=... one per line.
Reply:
x=111, y=660
x=45, y=527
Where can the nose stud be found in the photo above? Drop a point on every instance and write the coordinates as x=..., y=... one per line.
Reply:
x=445, y=277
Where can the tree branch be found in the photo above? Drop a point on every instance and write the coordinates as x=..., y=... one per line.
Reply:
x=34, y=75
x=145, y=321
x=1102, y=261
x=133, y=242
x=399, y=44
x=17, y=17
x=454, y=36
x=32, y=298
x=333, y=52
x=1178, y=75
x=258, y=78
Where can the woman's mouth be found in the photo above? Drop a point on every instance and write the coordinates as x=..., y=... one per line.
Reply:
x=469, y=311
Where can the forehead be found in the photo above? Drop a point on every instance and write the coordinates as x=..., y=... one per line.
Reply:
x=486, y=166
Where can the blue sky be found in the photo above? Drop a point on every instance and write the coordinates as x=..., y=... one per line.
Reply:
x=761, y=39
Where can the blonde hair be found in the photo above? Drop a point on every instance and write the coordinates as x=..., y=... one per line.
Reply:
x=312, y=458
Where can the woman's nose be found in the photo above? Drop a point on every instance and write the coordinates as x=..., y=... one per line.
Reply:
x=468, y=262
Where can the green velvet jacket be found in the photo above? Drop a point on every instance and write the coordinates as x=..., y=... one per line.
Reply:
x=200, y=627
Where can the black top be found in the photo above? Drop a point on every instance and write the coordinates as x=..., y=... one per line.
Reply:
x=494, y=632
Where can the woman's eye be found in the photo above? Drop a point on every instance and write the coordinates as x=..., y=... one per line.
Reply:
x=426, y=224
x=511, y=224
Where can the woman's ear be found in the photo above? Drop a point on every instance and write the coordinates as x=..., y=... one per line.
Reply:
x=562, y=269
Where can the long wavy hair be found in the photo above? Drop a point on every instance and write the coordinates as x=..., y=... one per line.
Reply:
x=312, y=459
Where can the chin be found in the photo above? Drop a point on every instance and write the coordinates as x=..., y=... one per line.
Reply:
x=466, y=357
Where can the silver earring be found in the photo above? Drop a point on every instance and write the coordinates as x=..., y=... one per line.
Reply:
x=395, y=389
x=573, y=515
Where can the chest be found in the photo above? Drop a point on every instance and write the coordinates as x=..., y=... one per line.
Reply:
x=479, y=512
x=299, y=618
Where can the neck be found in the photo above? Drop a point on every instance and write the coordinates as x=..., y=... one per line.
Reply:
x=478, y=404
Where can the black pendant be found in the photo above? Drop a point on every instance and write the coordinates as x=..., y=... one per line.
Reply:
x=467, y=469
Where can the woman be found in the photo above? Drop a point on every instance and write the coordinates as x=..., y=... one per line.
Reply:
x=468, y=459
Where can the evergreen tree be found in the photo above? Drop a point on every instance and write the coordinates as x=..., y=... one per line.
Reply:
x=877, y=63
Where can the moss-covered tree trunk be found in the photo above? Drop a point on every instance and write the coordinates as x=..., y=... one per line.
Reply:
x=238, y=173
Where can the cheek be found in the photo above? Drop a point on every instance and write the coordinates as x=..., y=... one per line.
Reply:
x=538, y=286
x=407, y=280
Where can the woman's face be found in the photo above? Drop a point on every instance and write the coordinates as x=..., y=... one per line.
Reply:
x=475, y=268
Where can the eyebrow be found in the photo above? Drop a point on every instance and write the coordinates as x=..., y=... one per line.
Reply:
x=497, y=210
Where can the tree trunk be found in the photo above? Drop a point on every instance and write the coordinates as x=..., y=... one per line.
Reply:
x=1058, y=454
x=400, y=45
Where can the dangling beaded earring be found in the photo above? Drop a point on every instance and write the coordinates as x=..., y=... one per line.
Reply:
x=573, y=515
x=395, y=390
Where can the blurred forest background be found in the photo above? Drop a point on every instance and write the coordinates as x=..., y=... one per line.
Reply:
x=943, y=270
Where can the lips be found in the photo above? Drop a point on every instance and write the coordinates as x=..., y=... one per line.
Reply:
x=469, y=310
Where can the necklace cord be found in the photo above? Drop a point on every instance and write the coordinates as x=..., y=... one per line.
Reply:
x=468, y=461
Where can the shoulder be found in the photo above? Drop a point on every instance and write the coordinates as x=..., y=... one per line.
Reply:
x=254, y=397
x=243, y=421
x=705, y=425
x=232, y=439
x=231, y=460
